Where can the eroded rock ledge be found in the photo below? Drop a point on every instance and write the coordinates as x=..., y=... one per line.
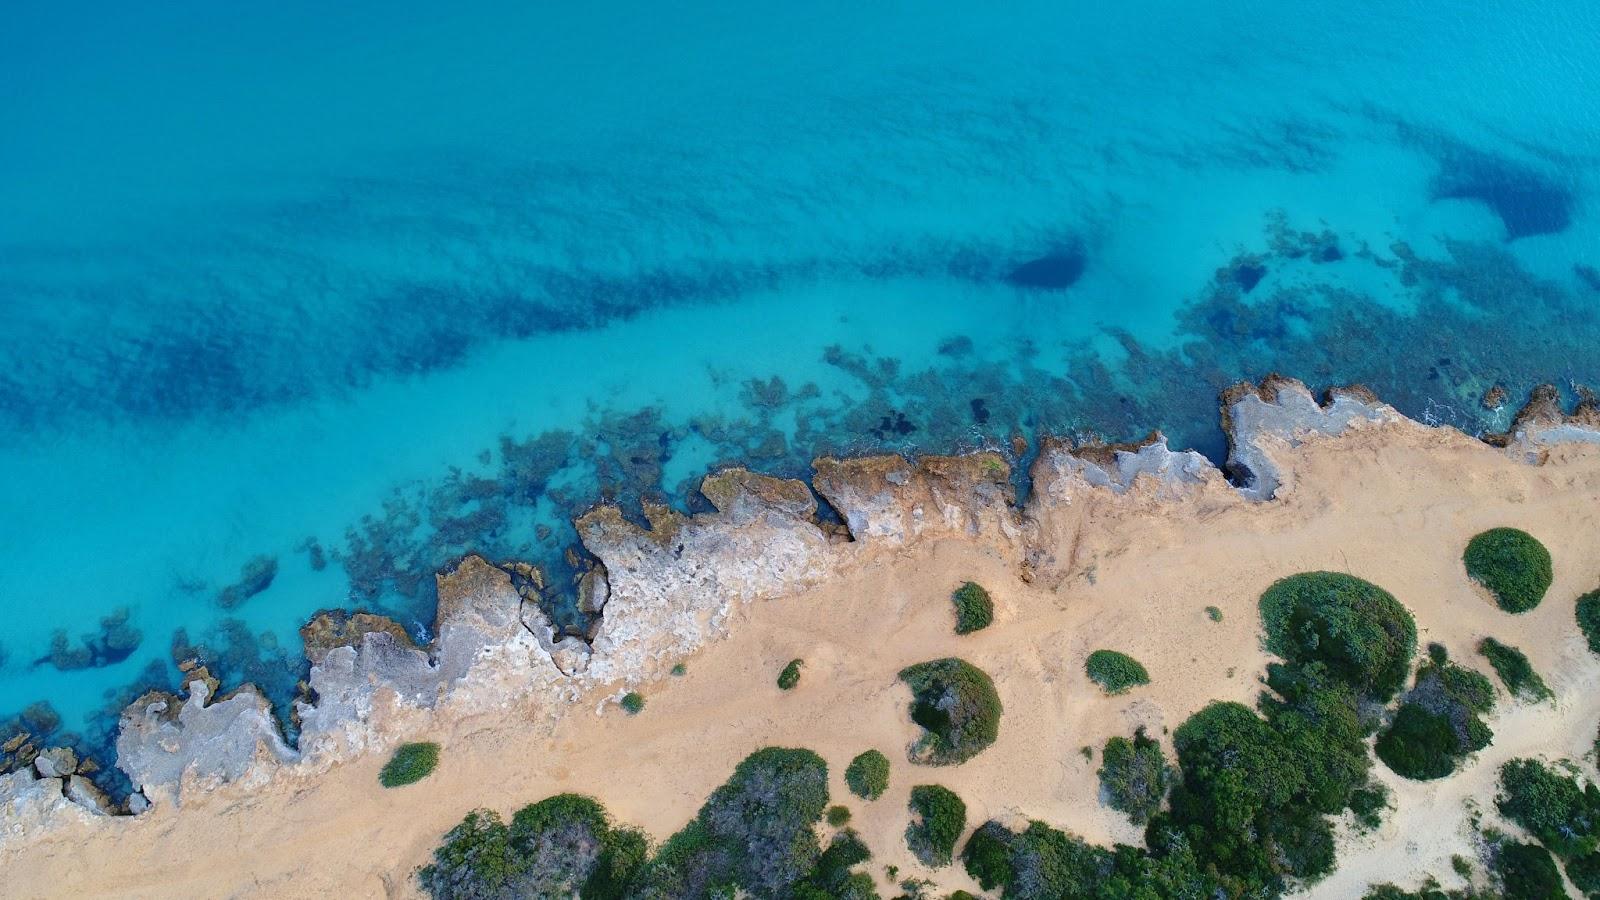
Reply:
x=661, y=591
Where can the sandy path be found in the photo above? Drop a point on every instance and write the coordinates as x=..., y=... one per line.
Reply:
x=1393, y=505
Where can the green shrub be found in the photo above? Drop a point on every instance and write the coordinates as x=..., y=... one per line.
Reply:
x=756, y=832
x=1437, y=723
x=832, y=878
x=1585, y=873
x=1552, y=807
x=1355, y=628
x=1368, y=804
x=1589, y=618
x=680, y=670
x=1527, y=872
x=974, y=609
x=1214, y=614
x=938, y=818
x=1115, y=672
x=1512, y=564
x=957, y=707
x=410, y=764
x=790, y=676
x=1514, y=670
x=633, y=703
x=475, y=860
x=563, y=846
x=1134, y=776
x=868, y=775
x=838, y=815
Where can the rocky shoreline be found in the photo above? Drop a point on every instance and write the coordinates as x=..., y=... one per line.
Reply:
x=660, y=592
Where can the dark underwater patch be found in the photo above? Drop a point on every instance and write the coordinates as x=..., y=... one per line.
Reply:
x=1052, y=272
x=1526, y=201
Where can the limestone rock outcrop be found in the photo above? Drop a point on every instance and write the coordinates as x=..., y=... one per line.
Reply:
x=164, y=741
x=672, y=585
x=1063, y=468
x=888, y=500
x=1542, y=423
x=1263, y=420
x=31, y=804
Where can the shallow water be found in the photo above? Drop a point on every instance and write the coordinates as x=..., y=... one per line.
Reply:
x=372, y=290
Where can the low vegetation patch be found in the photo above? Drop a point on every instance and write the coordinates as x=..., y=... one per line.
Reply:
x=1589, y=619
x=938, y=817
x=957, y=707
x=1513, y=565
x=1116, y=673
x=974, y=608
x=1134, y=776
x=410, y=764
x=838, y=815
x=868, y=775
x=790, y=676
x=1355, y=628
x=1214, y=614
x=1515, y=672
x=1437, y=723
x=633, y=703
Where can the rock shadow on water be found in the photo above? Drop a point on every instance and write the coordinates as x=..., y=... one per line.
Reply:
x=1054, y=271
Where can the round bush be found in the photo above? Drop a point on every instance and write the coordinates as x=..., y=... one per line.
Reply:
x=1115, y=672
x=633, y=703
x=974, y=609
x=1419, y=745
x=1589, y=619
x=938, y=818
x=868, y=775
x=1357, y=629
x=790, y=676
x=958, y=708
x=410, y=764
x=1513, y=565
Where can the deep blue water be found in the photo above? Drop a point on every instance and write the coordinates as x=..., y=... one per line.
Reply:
x=302, y=302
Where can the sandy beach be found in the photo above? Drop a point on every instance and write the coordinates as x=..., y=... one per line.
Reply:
x=1394, y=504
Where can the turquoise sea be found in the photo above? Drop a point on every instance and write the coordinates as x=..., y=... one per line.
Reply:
x=302, y=301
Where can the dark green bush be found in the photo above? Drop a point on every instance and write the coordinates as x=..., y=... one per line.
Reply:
x=957, y=707
x=1214, y=614
x=1552, y=807
x=410, y=764
x=868, y=775
x=1357, y=629
x=1115, y=672
x=832, y=878
x=1527, y=872
x=1514, y=670
x=974, y=609
x=633, y=703
x=1512, y=564
x=1588, y=610
x=756, y=832
x=838, y=815
x=1134, y=776
x=1437, y=723
x=563, y=846
x=938, y=817
x=790, y=676
x=1584, y=872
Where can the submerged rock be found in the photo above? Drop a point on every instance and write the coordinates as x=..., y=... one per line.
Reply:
x=256, y=576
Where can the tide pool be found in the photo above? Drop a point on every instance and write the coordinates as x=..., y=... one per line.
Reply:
x=306, y=303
